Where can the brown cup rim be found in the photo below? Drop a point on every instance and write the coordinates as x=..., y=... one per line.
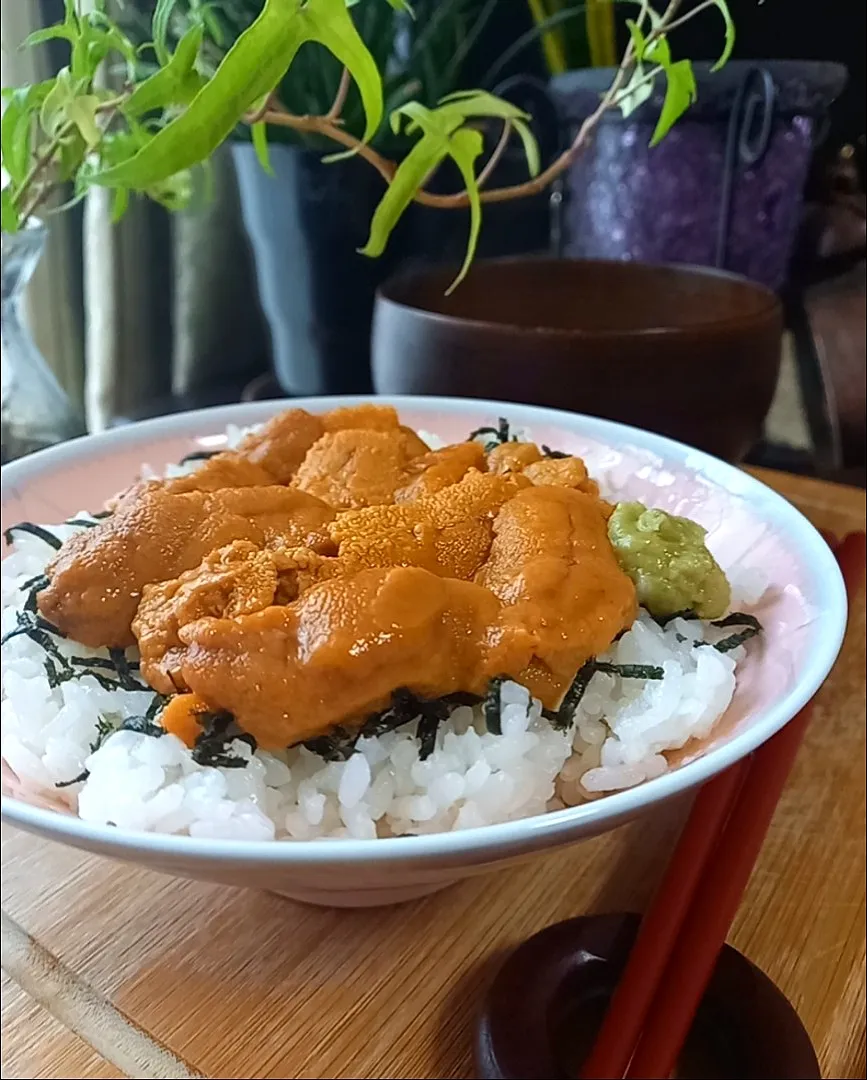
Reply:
x=385, y=296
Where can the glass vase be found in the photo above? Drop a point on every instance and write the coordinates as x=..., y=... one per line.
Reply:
x=34, y=410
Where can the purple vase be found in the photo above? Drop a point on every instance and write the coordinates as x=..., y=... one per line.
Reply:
x=724, y=188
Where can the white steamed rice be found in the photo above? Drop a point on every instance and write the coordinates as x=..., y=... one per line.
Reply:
x=618, y=738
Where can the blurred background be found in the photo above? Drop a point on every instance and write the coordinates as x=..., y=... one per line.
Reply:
x=258, y=292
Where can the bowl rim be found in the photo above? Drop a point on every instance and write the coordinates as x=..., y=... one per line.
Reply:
x=501, y=839
x=771, y=308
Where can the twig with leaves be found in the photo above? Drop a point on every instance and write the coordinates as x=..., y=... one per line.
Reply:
x=148, y=139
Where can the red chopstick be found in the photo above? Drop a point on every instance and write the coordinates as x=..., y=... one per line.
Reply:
x=681, y=935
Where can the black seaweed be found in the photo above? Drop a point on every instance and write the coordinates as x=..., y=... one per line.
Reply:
x=199, y=455
x=34, y=530
x=213, y=745
x=630, y=671
x=549, y=453
x=495, y=436
x=35, y=627
x=491, y=707
x=338, y=745
x=105, y=726
x=142, y=725
x=562, y=718
x=432, y=715
x=751, y=628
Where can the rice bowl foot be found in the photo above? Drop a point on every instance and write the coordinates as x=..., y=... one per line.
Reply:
x=363, y=898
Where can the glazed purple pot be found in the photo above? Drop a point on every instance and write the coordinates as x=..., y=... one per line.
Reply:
x=725, y=186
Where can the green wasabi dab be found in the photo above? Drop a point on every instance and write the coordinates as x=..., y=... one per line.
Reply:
x=668, y=559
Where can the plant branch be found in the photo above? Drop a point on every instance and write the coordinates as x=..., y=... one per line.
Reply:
x=496, y=154
x=42, y=161
x=321, y=125
x=675, y=23
x=647, y=77
x=336, y=109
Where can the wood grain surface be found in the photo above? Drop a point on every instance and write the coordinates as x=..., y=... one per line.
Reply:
x=205, y=980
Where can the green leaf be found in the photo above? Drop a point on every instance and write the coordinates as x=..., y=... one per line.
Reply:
x=440, y=122
x=81, y=111
x=259, y=131
x=71, y=155
x=50, y=33
x=250, y=70
x=9, y=219
x=331, y=25
x=97, y=38
x=160, y=29
x=639, y=41
x=680, y=93
x=637, y=90
x=411, y=174
x=16, y=128
x=119, y=204
x=464, y=147
x=729, y=35
x=175, y=84
x=479, y=103
x=52, y=115
x=659, y=52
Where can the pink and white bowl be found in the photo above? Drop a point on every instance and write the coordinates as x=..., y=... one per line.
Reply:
x=803, y=612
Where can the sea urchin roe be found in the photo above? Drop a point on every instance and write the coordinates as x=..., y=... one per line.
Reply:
x=668, y=559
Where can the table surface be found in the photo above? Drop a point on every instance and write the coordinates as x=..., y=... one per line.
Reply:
x=189, y=979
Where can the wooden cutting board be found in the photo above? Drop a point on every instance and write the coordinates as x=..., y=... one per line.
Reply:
x=135, y=974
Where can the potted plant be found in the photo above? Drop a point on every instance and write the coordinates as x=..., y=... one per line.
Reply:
x=307, y=217
x=726, y=191
x=151, y=134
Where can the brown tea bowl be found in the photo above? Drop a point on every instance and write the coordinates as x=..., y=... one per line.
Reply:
x=682, y=351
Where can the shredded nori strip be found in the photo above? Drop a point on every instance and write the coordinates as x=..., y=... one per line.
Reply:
x=33, y=586
x=562, y=718
x=83, y=522
x=105, y=726
x=497, y=435
x=751, y=628
x=549, y=453
x=338, y=745
x=155, y=707
x=212, y=746
x=404, y=707
x=432, y=715
x=82, y=776
x=100, y=515
x=462, y=698
x=630, y=671
x=34, y=530
x=491, y=707
x=141, y=725
x=482, y=431
x=33, y=625
x=104, y=664
x=199, y=455
x=738, y=618
x=124, y=670
x=729, y=643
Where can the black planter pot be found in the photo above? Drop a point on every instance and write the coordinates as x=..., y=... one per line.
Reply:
x=305, y=224
x=307, y=221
